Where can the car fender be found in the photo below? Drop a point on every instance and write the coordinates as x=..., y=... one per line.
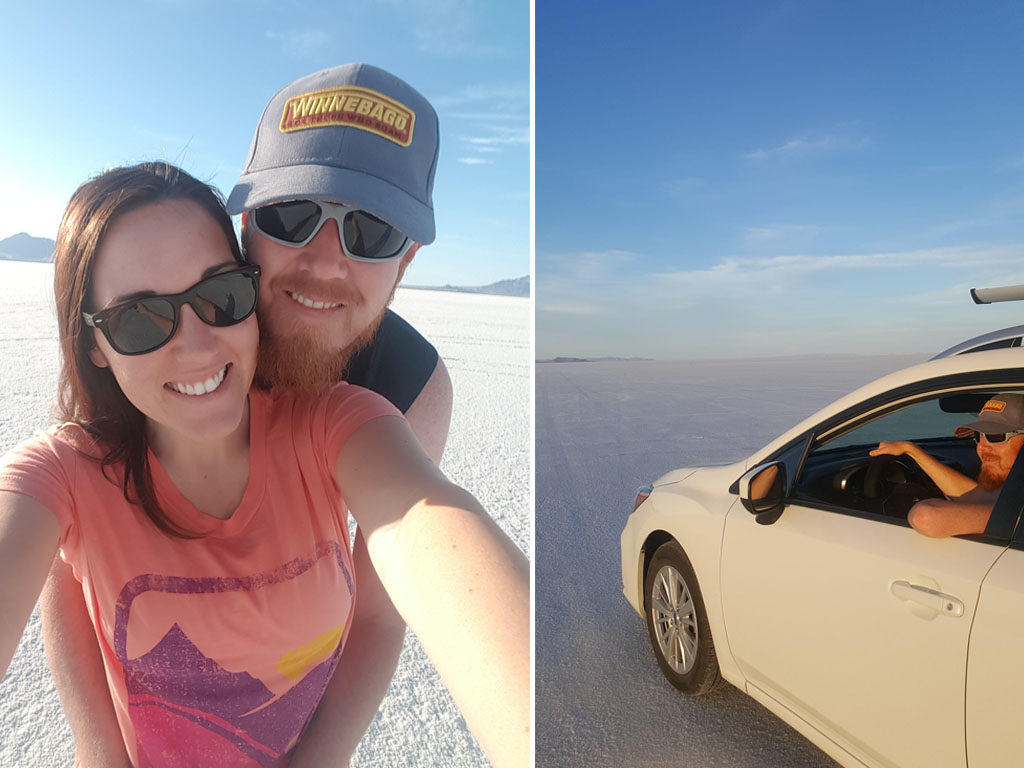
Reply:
x=692, y=511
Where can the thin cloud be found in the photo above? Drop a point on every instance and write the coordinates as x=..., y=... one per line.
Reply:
x=445, y=27
x=474, y=161
x=501, y=139
x=588, y=265
x=503, y=98
x=585, y=282
x=498, y=115
x=754, y=274
x=498, y=139
x=952, y=227
x=810, y=145
x=617, y=278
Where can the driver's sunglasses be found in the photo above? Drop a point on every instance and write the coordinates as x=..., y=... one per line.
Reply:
x=144, y=324
x=364, y=237
x=994, y=438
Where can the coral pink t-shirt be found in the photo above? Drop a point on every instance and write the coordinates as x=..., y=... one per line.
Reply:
x=217, y=650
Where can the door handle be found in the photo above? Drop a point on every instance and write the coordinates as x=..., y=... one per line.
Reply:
x=932, y=599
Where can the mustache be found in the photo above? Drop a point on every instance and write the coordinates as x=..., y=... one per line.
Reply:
x=332, y=291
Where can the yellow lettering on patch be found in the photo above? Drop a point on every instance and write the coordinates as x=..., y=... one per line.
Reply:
x=350, y=106
x=300, y=108
x=994, y=405
x=294, y=663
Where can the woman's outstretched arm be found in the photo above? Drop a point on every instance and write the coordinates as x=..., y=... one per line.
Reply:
x=29, y=535
x=458, y=581
x=374, y=645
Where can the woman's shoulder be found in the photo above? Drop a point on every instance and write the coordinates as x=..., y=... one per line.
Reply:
x=48, y=466
x=76, y=437
x=64, y=441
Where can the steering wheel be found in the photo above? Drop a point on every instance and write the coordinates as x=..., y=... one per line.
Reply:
x=877, y=475
x=898, y=482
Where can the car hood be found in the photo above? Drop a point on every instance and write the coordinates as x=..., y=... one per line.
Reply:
x=714, y=473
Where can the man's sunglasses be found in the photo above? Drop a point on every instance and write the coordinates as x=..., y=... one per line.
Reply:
x=994, y=438
x=364, y=237
x=142, y=325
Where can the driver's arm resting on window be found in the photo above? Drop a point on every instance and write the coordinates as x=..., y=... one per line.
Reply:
x=940, y=518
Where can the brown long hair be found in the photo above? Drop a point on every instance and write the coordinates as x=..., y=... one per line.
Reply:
x=87, y=394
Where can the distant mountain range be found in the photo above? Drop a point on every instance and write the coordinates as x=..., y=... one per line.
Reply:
x=520, y=286
x=24, y=247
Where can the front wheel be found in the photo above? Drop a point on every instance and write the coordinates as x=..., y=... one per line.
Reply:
x=678, y=624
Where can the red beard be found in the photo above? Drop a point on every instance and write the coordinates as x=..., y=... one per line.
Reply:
x=991, y=478
x=304, y=361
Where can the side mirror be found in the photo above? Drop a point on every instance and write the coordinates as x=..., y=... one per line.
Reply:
x=763, y=491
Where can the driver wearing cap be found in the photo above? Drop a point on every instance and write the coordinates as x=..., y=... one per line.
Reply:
x=999, y=432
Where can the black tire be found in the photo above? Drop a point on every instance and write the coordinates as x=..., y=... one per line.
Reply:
x=677, y=623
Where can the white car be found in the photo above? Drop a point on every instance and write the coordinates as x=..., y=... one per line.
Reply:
x=880, y=645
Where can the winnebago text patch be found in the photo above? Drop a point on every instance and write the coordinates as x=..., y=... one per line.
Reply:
x=350, y=105
x=993, y=406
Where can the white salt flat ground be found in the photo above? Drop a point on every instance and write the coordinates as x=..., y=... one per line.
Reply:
x=603, y=429
x=484, y=340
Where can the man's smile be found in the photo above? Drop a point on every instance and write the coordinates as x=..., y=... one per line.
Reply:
x=313, y=303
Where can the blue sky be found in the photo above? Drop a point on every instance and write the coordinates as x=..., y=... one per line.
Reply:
x=767, y=178
x=91, y=85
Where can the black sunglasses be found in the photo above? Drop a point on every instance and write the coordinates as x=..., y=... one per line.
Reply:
x=142, y=325
x=364, y=237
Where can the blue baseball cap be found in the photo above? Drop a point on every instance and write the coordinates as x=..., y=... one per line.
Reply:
x=352, y=134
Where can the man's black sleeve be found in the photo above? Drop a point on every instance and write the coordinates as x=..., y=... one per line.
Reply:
x=397, y=363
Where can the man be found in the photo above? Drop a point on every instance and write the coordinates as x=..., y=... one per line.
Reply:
x=358, y=136
x=999, y=432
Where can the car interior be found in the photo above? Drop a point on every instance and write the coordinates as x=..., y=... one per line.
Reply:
x=839, y=472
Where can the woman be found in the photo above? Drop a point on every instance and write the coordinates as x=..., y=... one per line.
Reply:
x=205, y=521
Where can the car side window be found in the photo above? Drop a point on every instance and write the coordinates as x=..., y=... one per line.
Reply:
x=920, y=421
x=839, y=472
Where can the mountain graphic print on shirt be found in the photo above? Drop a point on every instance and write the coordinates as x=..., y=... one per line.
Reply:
x=187, y=690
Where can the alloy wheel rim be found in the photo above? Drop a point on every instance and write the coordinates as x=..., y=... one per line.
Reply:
x=674, y=619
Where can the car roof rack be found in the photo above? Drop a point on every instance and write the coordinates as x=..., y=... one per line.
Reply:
x=992, y=295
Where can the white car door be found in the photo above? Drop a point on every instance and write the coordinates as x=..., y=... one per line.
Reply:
x=827, y=613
